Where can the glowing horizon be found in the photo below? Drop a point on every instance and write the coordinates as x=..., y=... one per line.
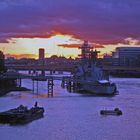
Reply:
x=29, y=46
x=57, y=44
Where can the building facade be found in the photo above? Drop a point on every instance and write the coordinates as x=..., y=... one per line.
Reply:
x=127, y=56
x=2, y=62
x=41, y=54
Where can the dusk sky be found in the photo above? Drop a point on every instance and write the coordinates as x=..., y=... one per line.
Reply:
x=26, y=25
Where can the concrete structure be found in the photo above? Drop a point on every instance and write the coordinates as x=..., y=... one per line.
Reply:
x=41, y=54
x=127, y=56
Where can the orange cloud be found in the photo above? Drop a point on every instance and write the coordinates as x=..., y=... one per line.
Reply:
x=69, y=45
x=19, y=56
x=98, y=46
x=94, y=45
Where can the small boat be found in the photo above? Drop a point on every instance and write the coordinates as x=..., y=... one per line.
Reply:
x=116, y=111
x=21, y=115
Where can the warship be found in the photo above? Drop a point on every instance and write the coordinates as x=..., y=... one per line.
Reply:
x=90, y=77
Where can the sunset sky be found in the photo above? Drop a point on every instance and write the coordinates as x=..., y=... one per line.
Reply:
x=60, y=26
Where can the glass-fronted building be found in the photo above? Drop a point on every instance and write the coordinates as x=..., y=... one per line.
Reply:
x=127, y=56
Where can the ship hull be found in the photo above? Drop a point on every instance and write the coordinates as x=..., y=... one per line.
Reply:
x=98, y=89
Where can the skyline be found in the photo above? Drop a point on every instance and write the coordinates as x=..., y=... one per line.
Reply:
x=61, y=26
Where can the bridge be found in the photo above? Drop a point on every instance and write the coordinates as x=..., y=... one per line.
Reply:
x=48, y=67
x=68, y=67
x=121, y=68
x=16, y=75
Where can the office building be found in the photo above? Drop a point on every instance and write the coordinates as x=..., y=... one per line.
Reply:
x=2, y=61
x=127, y=56
x=41, y=54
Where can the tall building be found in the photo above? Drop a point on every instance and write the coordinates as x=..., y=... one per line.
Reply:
x=41, y=54
x=127, y=56
x=2, y=64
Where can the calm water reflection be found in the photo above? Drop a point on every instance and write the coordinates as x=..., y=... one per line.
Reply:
x=70, y=116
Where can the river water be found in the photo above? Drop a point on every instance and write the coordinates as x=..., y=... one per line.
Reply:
x=71, y=116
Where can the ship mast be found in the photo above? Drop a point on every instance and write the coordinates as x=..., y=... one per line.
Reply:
x=85, y=50
x=87, y=53
x=94, y=55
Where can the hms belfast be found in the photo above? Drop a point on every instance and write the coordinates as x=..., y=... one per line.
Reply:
x=89, y=76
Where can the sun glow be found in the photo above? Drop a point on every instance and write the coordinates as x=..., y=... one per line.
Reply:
x=30, y=46
x=58, y=44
